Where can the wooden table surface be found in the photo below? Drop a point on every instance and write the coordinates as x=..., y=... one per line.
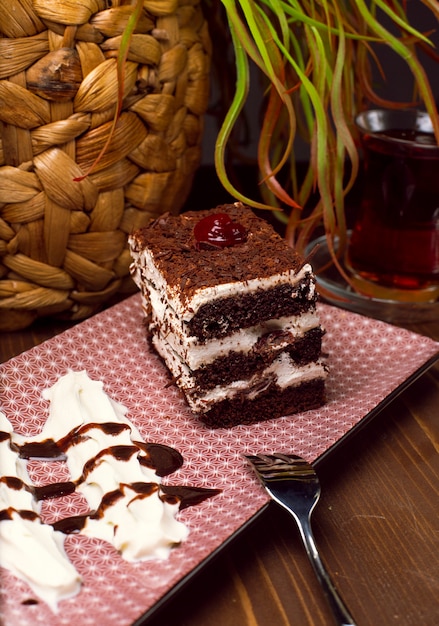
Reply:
x=377, y=527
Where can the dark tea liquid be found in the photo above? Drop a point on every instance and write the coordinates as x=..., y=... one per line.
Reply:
x=395, y=240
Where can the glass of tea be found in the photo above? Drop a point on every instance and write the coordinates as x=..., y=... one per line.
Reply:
x=395, y=240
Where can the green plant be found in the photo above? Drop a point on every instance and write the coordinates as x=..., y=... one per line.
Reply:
x=317, y=58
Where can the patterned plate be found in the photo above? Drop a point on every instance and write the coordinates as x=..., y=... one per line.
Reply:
x=370, y=362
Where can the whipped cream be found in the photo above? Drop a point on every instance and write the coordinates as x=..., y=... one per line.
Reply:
x=139, y=525
x=30, y=549
x=109, y=465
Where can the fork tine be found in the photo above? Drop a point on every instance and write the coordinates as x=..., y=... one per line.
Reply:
x=280, y=465
x=289, y=459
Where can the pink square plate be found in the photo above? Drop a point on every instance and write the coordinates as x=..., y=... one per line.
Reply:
x=370, y=362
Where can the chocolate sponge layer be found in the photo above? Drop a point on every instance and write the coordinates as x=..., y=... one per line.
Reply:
x=273, y=403
x=222, y=317
x=239, y=365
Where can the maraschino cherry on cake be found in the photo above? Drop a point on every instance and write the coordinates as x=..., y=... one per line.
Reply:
x=231, y=309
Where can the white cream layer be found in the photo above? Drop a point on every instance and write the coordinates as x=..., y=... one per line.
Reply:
x=144, y=269
x=31, y=550
x=283, y=371
x=195, y=353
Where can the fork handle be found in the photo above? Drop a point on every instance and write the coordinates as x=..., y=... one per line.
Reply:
x=339, y=609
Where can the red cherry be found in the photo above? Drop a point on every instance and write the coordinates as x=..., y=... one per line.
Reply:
x=219, y=231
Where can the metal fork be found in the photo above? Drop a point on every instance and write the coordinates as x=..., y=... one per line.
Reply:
x=293, y=483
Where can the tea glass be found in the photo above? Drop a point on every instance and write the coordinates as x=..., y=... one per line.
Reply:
x=395, y=239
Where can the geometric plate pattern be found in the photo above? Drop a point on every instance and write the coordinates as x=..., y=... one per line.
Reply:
x=369, y=361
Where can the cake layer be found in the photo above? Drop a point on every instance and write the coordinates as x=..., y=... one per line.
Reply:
x=238, y=363
x=166, y=255
x=224, y=370
x=222, y=317
x=282, y=372
x=196, y=353
x=288, y=285
x=270, y=404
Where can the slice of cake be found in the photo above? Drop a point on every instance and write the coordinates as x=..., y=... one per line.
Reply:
x=231, y=309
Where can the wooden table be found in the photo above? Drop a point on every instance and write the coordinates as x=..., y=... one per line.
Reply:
x=377, y=526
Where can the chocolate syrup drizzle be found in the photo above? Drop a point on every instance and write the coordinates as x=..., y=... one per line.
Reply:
x=161, y=458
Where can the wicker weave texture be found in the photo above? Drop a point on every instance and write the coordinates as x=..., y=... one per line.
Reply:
x=63, y=247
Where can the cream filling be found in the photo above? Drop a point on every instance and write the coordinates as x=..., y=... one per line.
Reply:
x=31, y=550
x=283, y=371
x=195, y=353
x=144, y=268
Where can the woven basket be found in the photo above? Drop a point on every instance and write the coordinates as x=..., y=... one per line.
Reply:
x=63, y=249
